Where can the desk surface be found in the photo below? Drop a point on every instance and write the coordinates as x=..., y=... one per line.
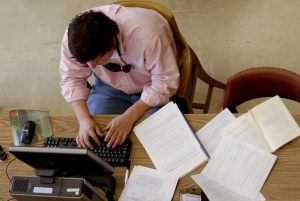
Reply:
x=283, y=182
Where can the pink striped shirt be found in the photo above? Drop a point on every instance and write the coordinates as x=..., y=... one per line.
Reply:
x=146, y=42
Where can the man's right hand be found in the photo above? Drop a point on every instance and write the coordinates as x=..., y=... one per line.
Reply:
x=88, y=129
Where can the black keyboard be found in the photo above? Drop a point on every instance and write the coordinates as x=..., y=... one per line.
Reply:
x=119, y=156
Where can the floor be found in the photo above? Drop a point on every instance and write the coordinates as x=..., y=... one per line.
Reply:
x=228, y=36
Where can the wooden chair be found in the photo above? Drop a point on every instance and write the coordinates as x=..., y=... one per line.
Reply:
x=200, y=74
x=261, y=82
x=189, y=65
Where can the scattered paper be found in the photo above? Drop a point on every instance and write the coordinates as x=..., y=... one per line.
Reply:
x=146, y=184
x=235, y=172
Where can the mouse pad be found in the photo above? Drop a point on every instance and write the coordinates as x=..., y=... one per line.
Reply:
x=40, y=118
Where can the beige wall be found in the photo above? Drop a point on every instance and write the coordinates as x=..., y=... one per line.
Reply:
x=227, y=36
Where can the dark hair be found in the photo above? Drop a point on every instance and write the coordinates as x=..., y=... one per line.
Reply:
x=90, y=34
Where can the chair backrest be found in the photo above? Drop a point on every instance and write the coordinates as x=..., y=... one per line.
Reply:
x=187, y=60
x=260, y=82
x=200, y=74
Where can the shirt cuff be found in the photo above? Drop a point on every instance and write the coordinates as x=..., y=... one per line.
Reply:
x=74, y=94
x=154, y=99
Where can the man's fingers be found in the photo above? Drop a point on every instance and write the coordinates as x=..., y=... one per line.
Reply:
x=109, y=135
x=99, y=131
x=111, y=139
x=123, y=139
x=94, y=138
x=78, y=141
x=117, y=140
x=86, y=141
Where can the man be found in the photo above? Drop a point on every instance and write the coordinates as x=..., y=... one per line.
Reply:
x=131, y=53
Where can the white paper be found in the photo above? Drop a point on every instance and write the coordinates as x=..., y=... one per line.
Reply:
x=216, y=192
x=170, y=142
x=276, y=122
x=210, y=134
x=189, y=197
x=236, y=171
x=268, y=126
x=146, y=184
x=245, y=129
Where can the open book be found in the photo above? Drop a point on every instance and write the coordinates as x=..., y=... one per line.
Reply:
x=235, y=172
x=170, y=142
x=268, y=125
x=149, y=185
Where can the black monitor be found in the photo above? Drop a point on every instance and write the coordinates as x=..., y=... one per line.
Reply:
x=61, y=161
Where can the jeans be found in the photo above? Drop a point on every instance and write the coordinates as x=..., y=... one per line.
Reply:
x=104, y=99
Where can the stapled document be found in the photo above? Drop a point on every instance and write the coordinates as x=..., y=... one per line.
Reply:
x=170, y=142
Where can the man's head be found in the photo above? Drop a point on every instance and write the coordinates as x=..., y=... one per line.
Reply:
x=91, y=34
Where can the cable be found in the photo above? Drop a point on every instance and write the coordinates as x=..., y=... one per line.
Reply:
x=6, y=172
x=6, y=169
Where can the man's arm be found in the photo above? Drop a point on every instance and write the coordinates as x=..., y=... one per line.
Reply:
x=87, y=127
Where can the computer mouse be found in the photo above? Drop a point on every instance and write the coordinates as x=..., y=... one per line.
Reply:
x=27, y=132
x=3, y=155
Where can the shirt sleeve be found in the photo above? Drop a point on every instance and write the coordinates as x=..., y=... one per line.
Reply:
x=161, y=62
x=73, y=75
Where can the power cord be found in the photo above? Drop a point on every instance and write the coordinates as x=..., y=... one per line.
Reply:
x=6, y=169
x=6, y=172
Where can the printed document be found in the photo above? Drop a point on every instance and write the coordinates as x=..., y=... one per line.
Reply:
x=210, y=134
x=235, y=172
x=170, y=142
x=146, y=184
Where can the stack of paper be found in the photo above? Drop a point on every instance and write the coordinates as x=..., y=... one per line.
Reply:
x=235, y=172
x=170, y=142
x=148, y=184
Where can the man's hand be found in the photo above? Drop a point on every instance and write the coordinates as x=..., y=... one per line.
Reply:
x=88, y=129
x=118, y=129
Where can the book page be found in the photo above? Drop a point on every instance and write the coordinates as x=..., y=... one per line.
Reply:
x=237, y=170
x=275, y=122
x=169, y=141
x=245, y=129
x=217, y=192
x=210, y=134
x=149, y=185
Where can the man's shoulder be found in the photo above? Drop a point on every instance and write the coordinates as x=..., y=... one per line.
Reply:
x=137, y=17
x=107, y=9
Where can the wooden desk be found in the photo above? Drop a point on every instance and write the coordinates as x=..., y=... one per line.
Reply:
x=282, y=184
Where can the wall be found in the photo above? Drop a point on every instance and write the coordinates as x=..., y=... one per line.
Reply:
x=228, y=36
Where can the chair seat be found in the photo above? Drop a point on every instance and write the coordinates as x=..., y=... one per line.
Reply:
x=260, y=82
